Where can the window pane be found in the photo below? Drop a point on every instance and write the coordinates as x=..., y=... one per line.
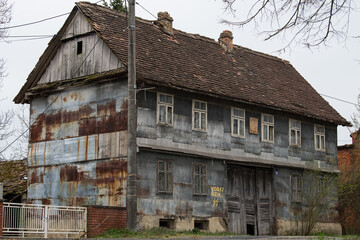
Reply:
x=203, y=170
x=162, y=98
x=169, y=99
x=317, y=141
x=292, y=137
x=298, y=138
x=235, y=126
x=161, y=166
x=203, y=184
x=196, y=182
x=268, y=118
x=271, y=133
x=203, y=106
x=242, y=128
x=203, y=120
x=169, y=181
x=162, y=113
x=322, y=142
x=197, y=170
x=169, y=115
x=238, y=112
x=196, y=120
x=265, y=132
x=161, y=181
x=320, y=129
x=196, y=104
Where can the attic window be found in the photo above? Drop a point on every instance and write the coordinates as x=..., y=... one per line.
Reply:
x=79, y=48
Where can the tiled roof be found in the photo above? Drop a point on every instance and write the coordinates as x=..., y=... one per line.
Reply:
x=197, y=63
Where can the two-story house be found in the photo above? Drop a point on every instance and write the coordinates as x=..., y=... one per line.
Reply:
x=223, y=135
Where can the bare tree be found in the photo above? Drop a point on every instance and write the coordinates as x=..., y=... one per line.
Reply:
x=355, y=117
x=308, y=22
x=6, y=117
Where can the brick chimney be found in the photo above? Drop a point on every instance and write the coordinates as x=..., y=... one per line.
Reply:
x=354, y=136
x=164, y=22
x=226, y=40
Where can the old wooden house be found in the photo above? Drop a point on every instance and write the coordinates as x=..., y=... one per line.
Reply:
x=223, y=133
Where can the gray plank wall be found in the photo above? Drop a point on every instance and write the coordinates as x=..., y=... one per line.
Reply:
x=218, y=135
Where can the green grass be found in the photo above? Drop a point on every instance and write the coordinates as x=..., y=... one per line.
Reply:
x=158, y=233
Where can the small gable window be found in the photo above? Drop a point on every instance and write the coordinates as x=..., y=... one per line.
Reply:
x=295, y=132
x=319, y=138
x=267, y=126
x=165, y=108
x=79, y=47
x=199, y=115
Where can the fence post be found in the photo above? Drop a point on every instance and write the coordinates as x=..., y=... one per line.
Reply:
x=46, y=222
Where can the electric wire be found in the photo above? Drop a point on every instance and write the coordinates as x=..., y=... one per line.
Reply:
x=31, y=23
x=146, y=9
x=341, y=100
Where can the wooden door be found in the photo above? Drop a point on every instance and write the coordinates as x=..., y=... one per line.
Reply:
x=249, y=200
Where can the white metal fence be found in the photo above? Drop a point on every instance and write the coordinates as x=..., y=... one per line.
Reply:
x=32, y=220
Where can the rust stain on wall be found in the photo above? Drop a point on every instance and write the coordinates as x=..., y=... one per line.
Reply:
x=69, y=173
x=106, y=120
x=111, y=175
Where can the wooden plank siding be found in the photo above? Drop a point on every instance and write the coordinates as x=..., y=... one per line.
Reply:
x=67, y=64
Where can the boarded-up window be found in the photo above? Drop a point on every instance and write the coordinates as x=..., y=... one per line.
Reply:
x=199, y=177
x=165, y=176
x=296, y=188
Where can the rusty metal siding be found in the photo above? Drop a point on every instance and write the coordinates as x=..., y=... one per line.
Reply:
x=181, y=202
x=78, y=149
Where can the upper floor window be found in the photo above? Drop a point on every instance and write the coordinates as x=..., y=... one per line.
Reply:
x=267, y=126
x=165, y=176
x=296, y=188
x=295, y=132
x=165, y=108
x=199, y=115
x=238, y=122
x=319, y=137
x=199, y=177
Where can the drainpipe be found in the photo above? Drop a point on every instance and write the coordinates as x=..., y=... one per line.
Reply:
x=131, y=195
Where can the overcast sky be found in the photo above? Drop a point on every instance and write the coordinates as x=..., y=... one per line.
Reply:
x=332, y=70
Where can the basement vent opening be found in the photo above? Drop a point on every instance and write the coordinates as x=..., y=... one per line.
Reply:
x=201, y=224
x=250, y=229
x=79, y=48
x=167, y=223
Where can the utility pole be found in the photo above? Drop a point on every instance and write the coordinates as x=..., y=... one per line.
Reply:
x=131, y=195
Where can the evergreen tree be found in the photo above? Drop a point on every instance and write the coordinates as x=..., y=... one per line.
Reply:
x=118, y=5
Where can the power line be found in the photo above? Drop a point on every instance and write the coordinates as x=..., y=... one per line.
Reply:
x=27, y=36
x=338, y=99
x=25, y=39
x=31, y=23
x=146, y=9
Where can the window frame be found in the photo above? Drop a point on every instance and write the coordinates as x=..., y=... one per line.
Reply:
x=297, y=192
x=201, y=193
x=268, y=124
x=239, y=119
x=200, y=112
x=320, y=134
x=166, y=172
x=297, y=131
x=159, y=104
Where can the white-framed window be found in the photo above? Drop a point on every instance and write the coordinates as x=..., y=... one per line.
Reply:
x=296, y=188
x=267, y=126
x=294, y=132
x=237, y=122
x=165, y=176
x=319, y=137
x=199, y=115
x=165, y=106
x=200, y=179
